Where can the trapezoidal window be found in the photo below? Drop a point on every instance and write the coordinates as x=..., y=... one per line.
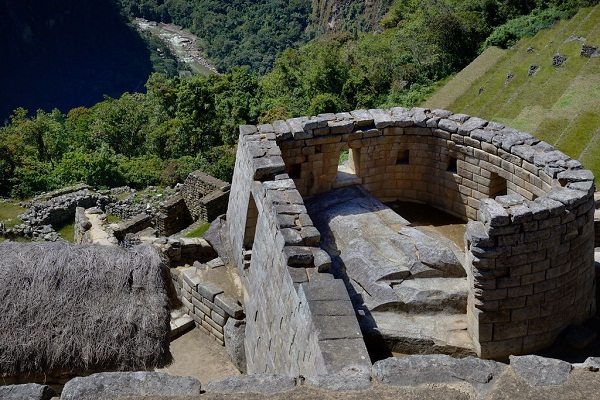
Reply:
x=294, y=171
x=348, y=164
x=250, y=229
x=452, y=167
x=403, y=157
x=497, y=185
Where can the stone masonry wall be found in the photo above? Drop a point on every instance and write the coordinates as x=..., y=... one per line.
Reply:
x=205, y=196
x=298, y=321
x=206, y=303
x=172, y=217
x=530, y=242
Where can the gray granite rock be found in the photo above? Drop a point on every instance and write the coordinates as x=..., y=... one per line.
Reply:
x=349, y=379
x=108, y=385
x=590, y=364
x=30, y=391
x=256, y=383
x=540, y=371
x=437, y=368
x=235, y=333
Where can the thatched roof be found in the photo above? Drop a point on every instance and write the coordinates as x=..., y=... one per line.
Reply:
x=70, y=307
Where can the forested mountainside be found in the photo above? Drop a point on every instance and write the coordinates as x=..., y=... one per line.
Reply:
x=241, y=32
x=348, y=16
x=254, y=33
x=65, y=53
x=182, y=124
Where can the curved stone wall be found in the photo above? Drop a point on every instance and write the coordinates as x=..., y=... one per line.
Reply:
x=530, y=237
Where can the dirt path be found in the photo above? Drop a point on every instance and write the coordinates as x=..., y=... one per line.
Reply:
x=197, y=355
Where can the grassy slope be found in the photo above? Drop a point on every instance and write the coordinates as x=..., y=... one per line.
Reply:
x=558, y=105
x=9, y=212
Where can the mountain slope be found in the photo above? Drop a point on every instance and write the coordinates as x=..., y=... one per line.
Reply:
x=65, y=53
x=560, y=105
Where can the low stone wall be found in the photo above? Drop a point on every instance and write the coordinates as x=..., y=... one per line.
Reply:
x=206, y=303
x=173, y=216
x=132, y=225
x=213, y=204
x=181, y=251
x=60, y=210
x=205, y=196
x=433, y=376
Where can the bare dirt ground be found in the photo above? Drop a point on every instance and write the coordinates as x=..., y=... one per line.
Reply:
x=198, y=355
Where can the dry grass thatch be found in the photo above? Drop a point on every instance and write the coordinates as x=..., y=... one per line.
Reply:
x=75, y=308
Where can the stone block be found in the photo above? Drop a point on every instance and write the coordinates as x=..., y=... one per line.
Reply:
x=191, y=279
x=325, y=290
x=110, y=385
x=501, y=348
x=218, y=318
x=341, y=353
x=229, y=305
x=282, y=130
x=30, y=391
x=569, y=197
x=291, y=236
x=434, y=369
x=539, y=371
x=214, y=326
x=331, y=327
x=477, y=234
x=493, y=214
x=513, y=329
x=188, y=304
x=299, y=256
x=298, y=275
x=209, y=290
x=322, y=260
x=335, y=308
x=253, y=383
x=381, y=118
x=362, y=118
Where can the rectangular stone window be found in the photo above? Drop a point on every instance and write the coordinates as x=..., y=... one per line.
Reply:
x=403, y=157
x=497, y=185
x=294, y=170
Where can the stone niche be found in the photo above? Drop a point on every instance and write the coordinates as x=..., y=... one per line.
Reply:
x=530, y=208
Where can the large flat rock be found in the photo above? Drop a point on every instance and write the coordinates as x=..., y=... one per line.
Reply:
x=109, y=385
x=420, y=333
x=378, y=250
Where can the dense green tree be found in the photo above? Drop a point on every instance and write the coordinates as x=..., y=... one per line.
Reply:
x=121, y=123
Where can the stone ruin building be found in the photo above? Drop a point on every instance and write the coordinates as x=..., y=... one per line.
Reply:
x=525, y=272
x=330, y=276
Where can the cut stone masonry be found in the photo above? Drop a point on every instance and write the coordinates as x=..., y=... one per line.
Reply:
x=529, y=242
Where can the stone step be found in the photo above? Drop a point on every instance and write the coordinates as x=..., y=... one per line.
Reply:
x=432, y=295
x=180, y=323
x=405, y=333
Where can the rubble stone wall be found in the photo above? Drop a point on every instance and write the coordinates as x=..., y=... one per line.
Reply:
x=530, y=239
x=298, y=321
x=173, y=216
x=205, y=196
